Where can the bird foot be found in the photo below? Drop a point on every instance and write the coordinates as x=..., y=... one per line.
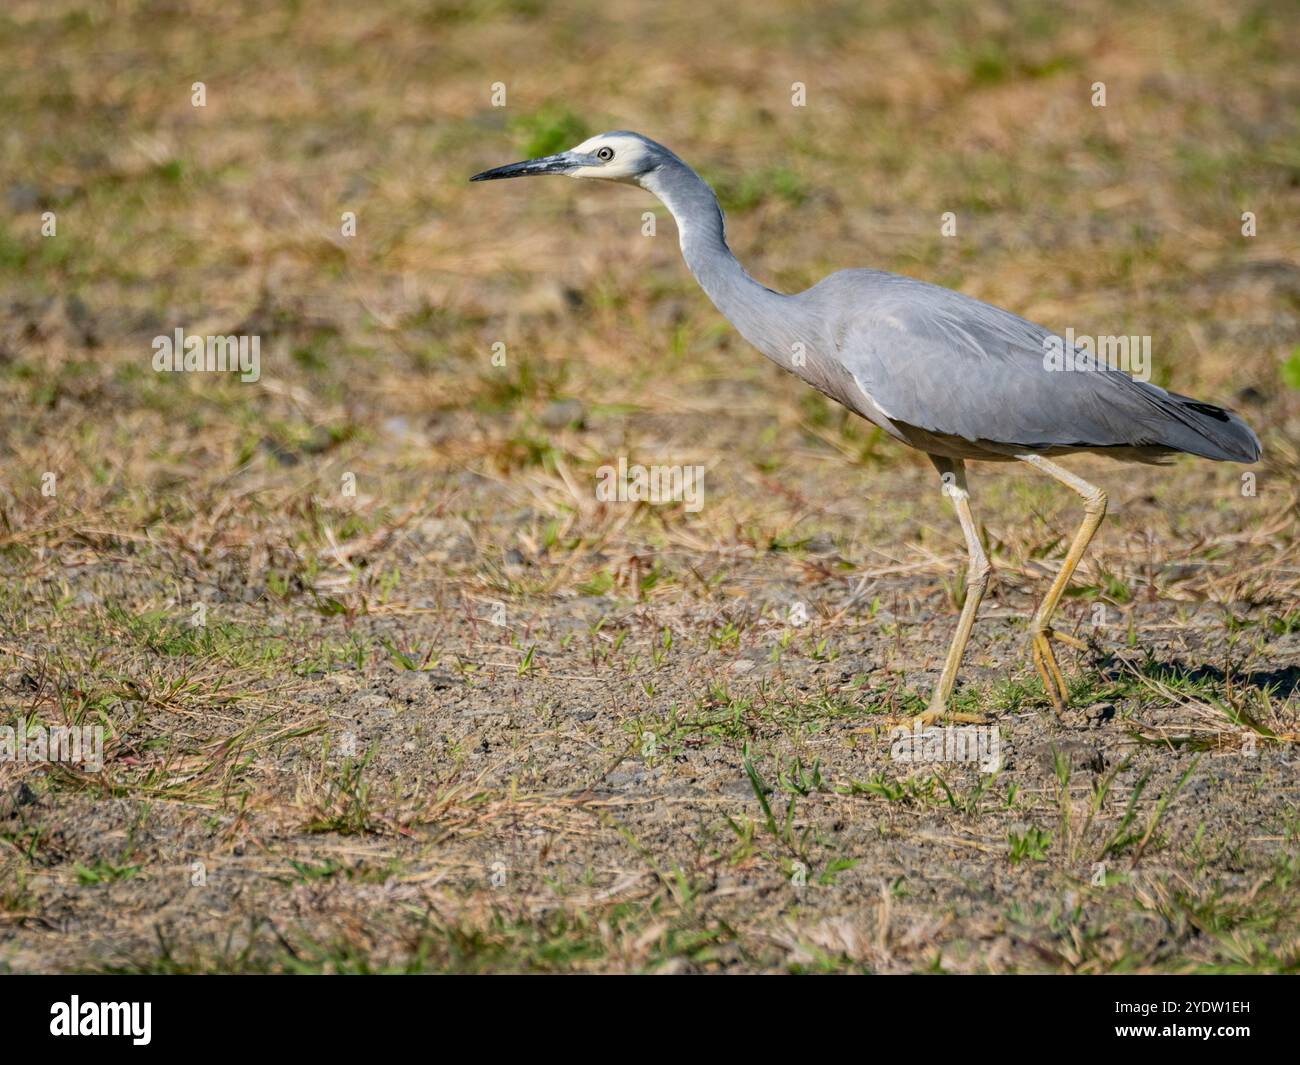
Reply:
x=1045, y=661
x=930, y=716
x=1067, y=639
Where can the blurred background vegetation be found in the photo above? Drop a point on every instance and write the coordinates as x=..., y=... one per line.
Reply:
x=376, y=348
x=475, y=481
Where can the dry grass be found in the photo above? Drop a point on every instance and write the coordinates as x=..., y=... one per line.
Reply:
x=351, y=766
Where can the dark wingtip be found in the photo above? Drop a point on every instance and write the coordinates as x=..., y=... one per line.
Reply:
x=1237, y=438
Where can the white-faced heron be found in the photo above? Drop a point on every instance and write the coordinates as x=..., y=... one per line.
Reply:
x=954, y=377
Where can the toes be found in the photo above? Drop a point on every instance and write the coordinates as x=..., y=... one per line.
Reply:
x=1053, y=681
x=1069, y=641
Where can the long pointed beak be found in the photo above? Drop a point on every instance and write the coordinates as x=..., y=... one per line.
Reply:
x=550, y=164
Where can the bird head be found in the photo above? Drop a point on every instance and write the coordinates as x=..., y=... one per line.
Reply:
x=617, y=156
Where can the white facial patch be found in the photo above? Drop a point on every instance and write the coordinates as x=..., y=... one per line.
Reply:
x=626, y=163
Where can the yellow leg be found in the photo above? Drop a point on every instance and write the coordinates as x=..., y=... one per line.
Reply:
x=953, y=472
x=1040, y=629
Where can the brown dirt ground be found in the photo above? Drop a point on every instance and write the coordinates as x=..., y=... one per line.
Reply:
x=473, y=719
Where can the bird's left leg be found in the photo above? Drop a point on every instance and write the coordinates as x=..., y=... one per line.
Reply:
x=953, y=472
x=1041, y=632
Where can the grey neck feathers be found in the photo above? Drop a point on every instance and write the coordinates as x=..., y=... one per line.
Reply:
x=767, y=319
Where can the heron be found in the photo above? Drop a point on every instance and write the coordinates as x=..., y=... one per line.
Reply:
x=935, y=369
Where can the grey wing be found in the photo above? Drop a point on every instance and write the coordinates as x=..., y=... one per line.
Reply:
x=949, y=364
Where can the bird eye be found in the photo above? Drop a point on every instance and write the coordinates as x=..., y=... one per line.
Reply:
x=604, y=154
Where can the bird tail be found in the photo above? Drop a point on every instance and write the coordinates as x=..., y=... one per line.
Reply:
x=1206, y=430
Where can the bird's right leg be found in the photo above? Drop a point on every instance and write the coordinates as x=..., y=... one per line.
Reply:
x=953, y=473
x=1040, y=630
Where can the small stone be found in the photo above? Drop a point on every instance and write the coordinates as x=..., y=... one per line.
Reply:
x=398, y=427
x=24, y=198
x=1080, y=754
x=21, y=795
x=562, y=413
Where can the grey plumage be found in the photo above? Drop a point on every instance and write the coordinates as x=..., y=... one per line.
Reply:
x=973, y=376
x=938, y=370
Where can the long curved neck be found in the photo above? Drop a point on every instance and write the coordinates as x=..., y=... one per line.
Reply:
x=765, y=318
